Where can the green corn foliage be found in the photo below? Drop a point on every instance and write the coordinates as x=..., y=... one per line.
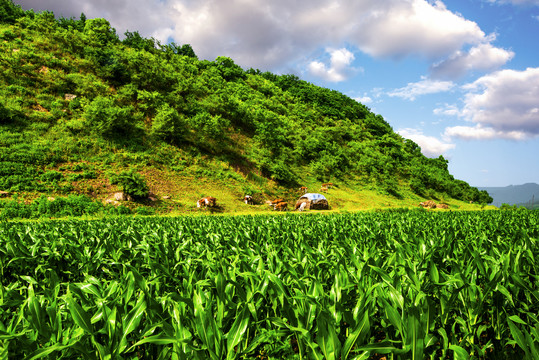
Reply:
x=404, y=285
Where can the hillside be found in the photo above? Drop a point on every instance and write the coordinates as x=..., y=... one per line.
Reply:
x=514, y=194
x=81, y=109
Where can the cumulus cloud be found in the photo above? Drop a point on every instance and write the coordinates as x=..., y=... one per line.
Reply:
x=423, y=87
x=479, y=132
x=505, y=101
x=400, y=28
x=273, y=35
x=364, y=99
x=430, y=145
x=483, y=57
x=338, y=70
x=448, y=110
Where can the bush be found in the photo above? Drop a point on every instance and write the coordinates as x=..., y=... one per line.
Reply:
x=167, y=124
x=107, y=118
x=131, y=183
x=145, y=211
x=13, y=209
x=117, y=210
x=51, y=176
x=73, y=205
x=90, y=174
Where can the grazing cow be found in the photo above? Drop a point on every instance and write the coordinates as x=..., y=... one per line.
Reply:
x=280, y=206
x=207, y=201
x=323, y=189
x=428, y=204
x=248, y=199
x=327, y=185
x=303, y=189
x=302, y=206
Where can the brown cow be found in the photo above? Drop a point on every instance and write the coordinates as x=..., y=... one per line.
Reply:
x=272, y=203
x=207, y=201
x=428, y=204
x=303, y=189
x=280, y=206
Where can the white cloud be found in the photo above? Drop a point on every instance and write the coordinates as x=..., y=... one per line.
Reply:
x=481, y=133
x=271, y=35
x=364, y=99
x=430, y=145
x=483, y=57
x=507, y=102
x=423, y=87
x=448, y=110
x=339, y=68
x=264, y=34
x=400, y=28
x=515, y=2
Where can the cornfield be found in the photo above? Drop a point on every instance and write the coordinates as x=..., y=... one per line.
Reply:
x=381, y=285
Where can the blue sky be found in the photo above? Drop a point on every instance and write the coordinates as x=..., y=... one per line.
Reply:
x=460, y=78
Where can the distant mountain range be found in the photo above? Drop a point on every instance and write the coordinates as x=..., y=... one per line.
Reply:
x=514, y=194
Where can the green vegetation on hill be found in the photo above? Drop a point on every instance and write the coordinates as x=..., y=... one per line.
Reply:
x=73, y=94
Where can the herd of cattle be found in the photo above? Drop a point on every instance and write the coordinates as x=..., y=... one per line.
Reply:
x=282, y=205
x=210, y=202
x=277, y=204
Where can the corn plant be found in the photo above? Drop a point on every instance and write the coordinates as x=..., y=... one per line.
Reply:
x=399, y=285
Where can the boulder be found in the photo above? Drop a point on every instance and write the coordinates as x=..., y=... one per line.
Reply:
x=121, y=196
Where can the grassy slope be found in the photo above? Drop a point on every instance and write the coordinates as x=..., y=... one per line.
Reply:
x=197, y=176
x=185, y=190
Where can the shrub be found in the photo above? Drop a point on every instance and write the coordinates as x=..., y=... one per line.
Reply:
x=51, y=176
x=117, y=210
x=145, y=211
x=73, y=205
x=107, y=118
x=167, y=124
x=131, y=183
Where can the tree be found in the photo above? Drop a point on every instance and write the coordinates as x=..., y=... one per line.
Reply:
x=134, y=40
x=73, y=23
x=9, y=12
x=107, y=118
x=167, y=124
x=184, y=50
x=99, y=32
x=229, y=70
